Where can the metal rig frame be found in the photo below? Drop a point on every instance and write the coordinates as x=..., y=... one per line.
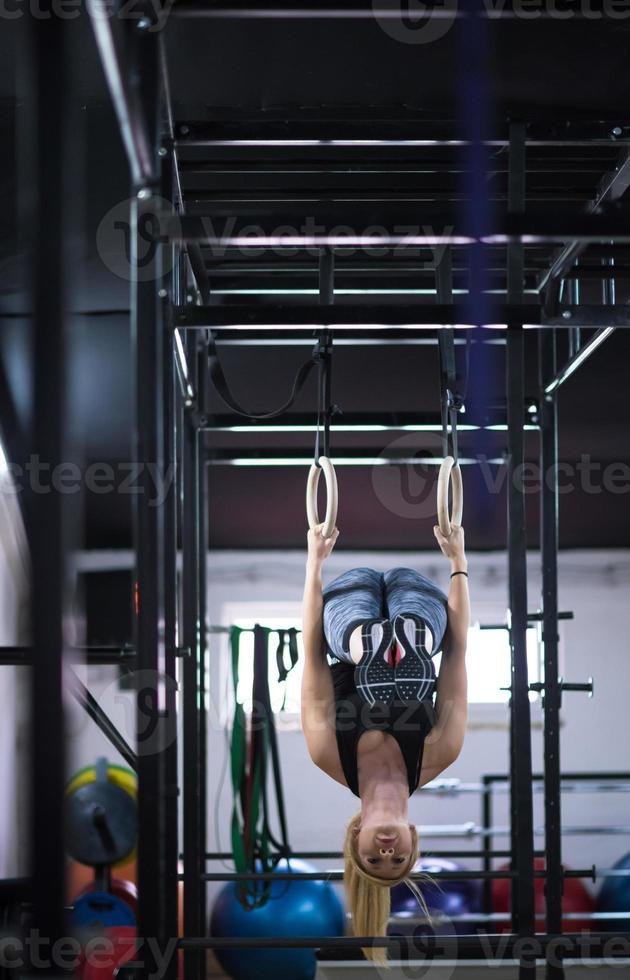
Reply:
x=171, y=313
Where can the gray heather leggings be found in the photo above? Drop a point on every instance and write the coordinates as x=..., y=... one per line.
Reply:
x=362, y=593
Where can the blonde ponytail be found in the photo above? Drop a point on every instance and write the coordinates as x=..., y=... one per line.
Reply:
x=369, y=897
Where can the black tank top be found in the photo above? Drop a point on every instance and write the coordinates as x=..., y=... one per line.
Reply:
x=409, y=724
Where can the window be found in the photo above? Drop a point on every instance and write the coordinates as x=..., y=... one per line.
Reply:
x=274, y=616
x=487, y=658
x=291, y=687
x=488, y=664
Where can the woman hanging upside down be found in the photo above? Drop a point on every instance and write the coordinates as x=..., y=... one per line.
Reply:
x=378, y=720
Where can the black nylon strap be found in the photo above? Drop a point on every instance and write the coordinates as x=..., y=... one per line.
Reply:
x=325, y=410
x=286, y=637
x=220, y=382
x=449, y=393
x=264, y=731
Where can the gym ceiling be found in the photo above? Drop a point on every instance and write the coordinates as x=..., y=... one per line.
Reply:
x=284, y=77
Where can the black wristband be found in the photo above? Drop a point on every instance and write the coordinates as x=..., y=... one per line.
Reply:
x=459, y=573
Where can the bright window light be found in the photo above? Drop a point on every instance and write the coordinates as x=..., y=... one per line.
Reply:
x=292, y=686
x=488, y=664
x=3, y=460
x=487, y=661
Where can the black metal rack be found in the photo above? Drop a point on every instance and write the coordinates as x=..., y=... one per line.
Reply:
x=171, y=314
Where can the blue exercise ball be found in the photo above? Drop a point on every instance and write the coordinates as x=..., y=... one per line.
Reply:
x=446, y=898
x=614, y=896
x=294, y=908
x=101, y=910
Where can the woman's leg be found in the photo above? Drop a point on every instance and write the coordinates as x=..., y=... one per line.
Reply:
x=408, y=592
x=350, y=600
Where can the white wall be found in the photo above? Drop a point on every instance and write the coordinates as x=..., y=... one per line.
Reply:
x=14, y=768
x=595, y=733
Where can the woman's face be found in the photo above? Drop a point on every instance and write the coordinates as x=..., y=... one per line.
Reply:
x=385, y=850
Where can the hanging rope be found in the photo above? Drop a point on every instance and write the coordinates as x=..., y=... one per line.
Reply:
x=451, y=404
x=451, y=401
x=326, y=409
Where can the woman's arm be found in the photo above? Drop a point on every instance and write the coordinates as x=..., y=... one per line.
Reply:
x=445, y=741
x=318, y=698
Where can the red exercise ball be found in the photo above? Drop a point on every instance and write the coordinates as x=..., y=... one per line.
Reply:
x=575, y=898
x=101, y=963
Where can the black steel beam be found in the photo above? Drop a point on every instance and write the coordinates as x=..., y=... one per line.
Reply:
x=380, y=421
x=612, y=187
x=500, y=947
x=388, y=336
x=553, y=383
x=171, y=418
x=203, y=477
x=520, y=728
x=87, y=701
x=368, y=457
x=487, y=806
x=147, y=335
x=337, y=875
x=371, y=226
x=191, y=827
x=552, y=697
x=94, y=656
x=45, y=133
x=361, y=10
x=337, y=855
x=406, y=316
x=135, y=129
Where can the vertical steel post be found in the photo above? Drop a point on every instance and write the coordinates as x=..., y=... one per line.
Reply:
x=171, y=417
x=147, y=329
x=521, y=753
x=488, y=840
x=202, y=546
x=43, y=196
x=194, y=962
x=552, y=691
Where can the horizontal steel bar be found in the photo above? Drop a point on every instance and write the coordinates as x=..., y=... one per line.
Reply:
x=337, y=875
x=379, y=317
x=359, y=10
x=337, y=855
x=94, y=655
x=367, y=227
x=350, y=457
x=359, y=421
x=575, y=777
x=294, y=338
x=448, y=947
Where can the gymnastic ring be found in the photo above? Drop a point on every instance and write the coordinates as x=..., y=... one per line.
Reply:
x=332, y=496
x=449, y=470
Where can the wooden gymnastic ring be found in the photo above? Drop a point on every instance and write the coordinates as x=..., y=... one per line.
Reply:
x=449, y=470
x=332, y=496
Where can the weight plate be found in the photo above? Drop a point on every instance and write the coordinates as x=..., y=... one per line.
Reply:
x=101, y=824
